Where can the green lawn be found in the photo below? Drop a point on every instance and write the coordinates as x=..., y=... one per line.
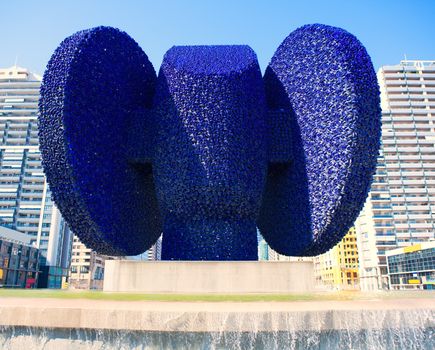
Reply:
x=98, y=295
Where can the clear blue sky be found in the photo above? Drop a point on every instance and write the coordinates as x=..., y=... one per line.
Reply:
x=32, y=30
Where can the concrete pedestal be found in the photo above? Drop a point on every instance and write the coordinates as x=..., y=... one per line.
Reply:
x=200, y=277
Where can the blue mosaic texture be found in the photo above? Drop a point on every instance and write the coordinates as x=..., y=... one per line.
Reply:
x=321, y=82
x=210, y=157
x=93, y=83
x=209, y=150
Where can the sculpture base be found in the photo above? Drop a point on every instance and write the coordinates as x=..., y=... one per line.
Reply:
x=201, y=277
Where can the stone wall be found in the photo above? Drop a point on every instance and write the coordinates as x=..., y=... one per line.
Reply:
x=209, y=277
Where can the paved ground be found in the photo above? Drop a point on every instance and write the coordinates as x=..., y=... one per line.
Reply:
x=225, y=306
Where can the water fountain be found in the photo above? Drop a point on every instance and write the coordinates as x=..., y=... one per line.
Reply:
x=206, y=152
x=357, y=324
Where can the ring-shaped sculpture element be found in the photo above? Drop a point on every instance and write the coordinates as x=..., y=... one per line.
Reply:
x=93, y=86
x=322, y=86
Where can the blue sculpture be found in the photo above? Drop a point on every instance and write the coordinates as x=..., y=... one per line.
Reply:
x=209, y=150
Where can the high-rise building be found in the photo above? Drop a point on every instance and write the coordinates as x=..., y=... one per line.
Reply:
x=152, y=254
x=155, y=252
x=338, y=267
x=263, y=250
x=25, y=203
x=400, y=209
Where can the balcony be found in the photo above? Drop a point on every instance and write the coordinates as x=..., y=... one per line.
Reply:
x=31, y=162
x=380, y=199
x=386, y=237
x=27, y=229
x=7, y=179
x=413, y=182
x=399, y=104
x=415, y=191
x=29, y=211
x=23, y=112
x=30, y=204
x=15, y=142
x=427, y=157
x=380, y=225
x=376, y=190
x=8, y=202
x=31, y=195
x=31, y=179
x=421, y=225
x=417, y=199
x=17, y=133
x=10, y=171
x=30, y=187
x=23, y=221
x=424, y=235
x=382, y=216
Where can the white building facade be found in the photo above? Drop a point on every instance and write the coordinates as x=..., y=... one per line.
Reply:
x=87, y=267
x=400, y=209
x=25, y=203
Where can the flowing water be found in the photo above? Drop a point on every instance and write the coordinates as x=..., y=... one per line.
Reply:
x=411, y=328
x=60, y=339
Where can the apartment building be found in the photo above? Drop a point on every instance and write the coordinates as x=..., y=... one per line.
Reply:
x=338, y=267
x=25, y=203
x=400, y=208
x=87, y=267
x=152, y=254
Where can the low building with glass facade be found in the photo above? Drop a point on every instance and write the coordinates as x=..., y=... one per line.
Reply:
x=19, y=260
x=412, y=267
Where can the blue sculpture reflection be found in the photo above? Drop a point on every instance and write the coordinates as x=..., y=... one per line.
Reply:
x=209, y=150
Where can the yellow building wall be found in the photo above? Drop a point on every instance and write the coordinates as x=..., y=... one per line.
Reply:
x=338, y=268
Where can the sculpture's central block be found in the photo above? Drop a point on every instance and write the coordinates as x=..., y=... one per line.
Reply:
x=209, y=150
x=210, y=154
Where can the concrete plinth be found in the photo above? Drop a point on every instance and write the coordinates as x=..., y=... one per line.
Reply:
x=208, y=277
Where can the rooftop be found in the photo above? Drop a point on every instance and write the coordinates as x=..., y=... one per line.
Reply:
x=18, y=73
x=14, y=236
x=418, y=63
